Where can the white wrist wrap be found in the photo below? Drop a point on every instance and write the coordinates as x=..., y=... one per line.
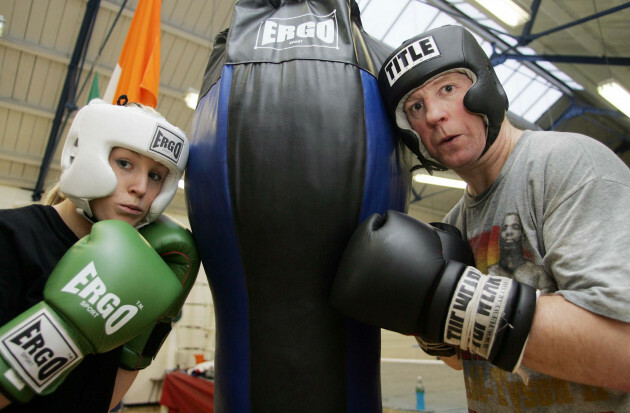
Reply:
x=39, y=349
x=476, y=310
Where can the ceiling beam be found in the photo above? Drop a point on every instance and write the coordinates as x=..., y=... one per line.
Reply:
x=58, y=57
x=19, y=106
x=14, y=181
x=527, y=38
x=24, y=158
x=498, y=43
x=166, y=27
x=499, y=58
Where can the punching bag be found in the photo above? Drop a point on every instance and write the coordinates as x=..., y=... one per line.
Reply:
x=291, y=149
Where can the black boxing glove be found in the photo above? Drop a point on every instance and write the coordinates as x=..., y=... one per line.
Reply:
x=454, y=248
x=394, y=274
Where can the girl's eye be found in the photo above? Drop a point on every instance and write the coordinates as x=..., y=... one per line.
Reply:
x=123, y=163
x=155, y=176
x=448, y=88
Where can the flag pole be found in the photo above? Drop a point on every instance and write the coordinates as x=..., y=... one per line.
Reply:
x=81, y=45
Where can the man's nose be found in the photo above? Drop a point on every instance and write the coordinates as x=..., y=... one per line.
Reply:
x=435, y=112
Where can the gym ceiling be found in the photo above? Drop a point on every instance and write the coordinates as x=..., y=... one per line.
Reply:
x=51, y=49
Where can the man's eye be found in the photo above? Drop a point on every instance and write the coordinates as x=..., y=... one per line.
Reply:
x=415, y=107
x=448, y=88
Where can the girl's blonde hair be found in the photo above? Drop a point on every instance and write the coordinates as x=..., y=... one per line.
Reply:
x=54, y=196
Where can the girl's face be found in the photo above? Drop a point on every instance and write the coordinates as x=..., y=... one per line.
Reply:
x=140, y=180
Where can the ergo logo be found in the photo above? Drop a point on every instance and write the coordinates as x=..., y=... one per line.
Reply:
x=307, y=30
x=38, y=349
x=87, y=284
x=167, y=144
x=38, y=345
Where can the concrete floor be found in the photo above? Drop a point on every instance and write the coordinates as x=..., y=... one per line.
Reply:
x=402, y=362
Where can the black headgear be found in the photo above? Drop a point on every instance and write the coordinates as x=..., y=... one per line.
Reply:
x=429, y=54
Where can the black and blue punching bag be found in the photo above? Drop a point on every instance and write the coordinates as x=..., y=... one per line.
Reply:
x=291, y=149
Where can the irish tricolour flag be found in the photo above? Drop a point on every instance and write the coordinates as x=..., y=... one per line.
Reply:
x=137, y=73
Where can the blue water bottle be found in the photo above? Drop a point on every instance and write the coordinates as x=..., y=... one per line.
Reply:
x=419, y=394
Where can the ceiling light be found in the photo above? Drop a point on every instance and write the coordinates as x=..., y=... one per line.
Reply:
x=436, y=180
x=1, y=25
x=506, y=10
x=191, y=97
x=181, y=184
x=616, y=94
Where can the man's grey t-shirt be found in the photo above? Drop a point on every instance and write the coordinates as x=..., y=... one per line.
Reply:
x=557, y=218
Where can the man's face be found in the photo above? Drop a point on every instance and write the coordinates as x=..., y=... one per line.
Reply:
x=450, y=133
x=511, y=229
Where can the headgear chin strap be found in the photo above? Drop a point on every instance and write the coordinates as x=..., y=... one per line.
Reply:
x=96, y=130
x=432, y=53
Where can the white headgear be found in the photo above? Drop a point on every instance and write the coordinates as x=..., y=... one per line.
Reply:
x=96, y=130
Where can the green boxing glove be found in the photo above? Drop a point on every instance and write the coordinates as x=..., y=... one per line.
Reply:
x=95, y=300
x=176, y=246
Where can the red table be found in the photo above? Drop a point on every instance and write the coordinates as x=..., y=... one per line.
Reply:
x=183, y=393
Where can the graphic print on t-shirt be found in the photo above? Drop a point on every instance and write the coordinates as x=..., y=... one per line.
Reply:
x=504, y=252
